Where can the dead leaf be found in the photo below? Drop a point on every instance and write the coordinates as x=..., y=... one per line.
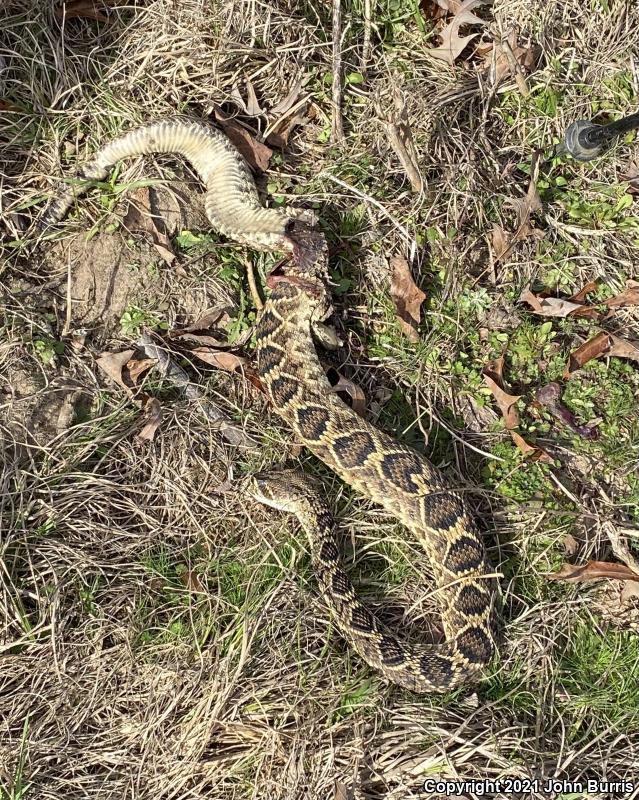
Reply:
x=629, y=593
x=287, y=103
x=495, y=369
x=341, y=384
x=593, y=571
x=494, y=378
x=282, y=129
x=477, y=418
x=125, y=370
x=194, y=333
x=631, y=176
x=434, y=10
x=623, y=348
x=506, y=402
x=580, y=296
x=189, y=577
x=219, y=358
x=252, y=106
x=520, y=58
x=453, y=44
x=556, y=306
x=140, y=218
x=112, y=364
x=603, y=344
x=7, y=105
x=528, y=205
x=257, y=154
x=407, y=296
x=86, y=9
x=530, y=451
x=571, y=545
x=218, y=315
x=593, y=348
x=501, y=243
x=153, y=416
x=136, y=367
x=342, y=792
x=629, y=296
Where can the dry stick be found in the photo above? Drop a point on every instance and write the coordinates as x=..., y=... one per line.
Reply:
x=250, y=276
x=178, y=377
x=515, y=68
x=407, y=161
x=337, y=124
x=366, y=42
x=410, y=240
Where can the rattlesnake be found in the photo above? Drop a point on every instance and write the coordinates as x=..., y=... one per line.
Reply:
x=373, y=463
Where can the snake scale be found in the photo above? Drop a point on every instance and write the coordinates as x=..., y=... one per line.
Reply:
x=372, y=462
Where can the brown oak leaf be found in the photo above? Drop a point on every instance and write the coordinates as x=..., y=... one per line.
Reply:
x=453, y=44
x=407, y=295
x=556, y=306
x=603, y=344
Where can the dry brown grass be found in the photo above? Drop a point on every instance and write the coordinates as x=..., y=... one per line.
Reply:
x=160, y=639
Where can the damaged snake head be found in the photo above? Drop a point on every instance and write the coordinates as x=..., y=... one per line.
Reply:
x=308, y=248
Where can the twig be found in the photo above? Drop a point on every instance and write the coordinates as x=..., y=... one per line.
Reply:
x=337, y=123
x=515, y=68
x=408, y=163
x=250, y=276
x=366, y=39
x=179, y=378
x=363, y=196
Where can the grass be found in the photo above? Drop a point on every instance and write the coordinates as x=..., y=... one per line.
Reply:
x=163, y=636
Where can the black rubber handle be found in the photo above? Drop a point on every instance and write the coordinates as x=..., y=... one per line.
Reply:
x=585, y=140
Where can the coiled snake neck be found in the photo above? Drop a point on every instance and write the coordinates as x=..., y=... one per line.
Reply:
x=372, y=462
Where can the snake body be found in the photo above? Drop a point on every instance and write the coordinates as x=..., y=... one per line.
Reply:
x=373, y=463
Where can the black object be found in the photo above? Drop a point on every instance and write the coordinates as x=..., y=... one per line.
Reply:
x=585, y=140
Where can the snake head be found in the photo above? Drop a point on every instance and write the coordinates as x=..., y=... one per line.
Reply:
x=286, y=490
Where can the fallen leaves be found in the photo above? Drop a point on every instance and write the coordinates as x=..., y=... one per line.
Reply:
x=507, y=403
x=221, y=359
x=556, y=306
x=126, y=371
x=355, y=392
x=504, y=242
x=631, y=177
x=509, y=57
x=453, y=44
x=141, y=219
x=531, y=451
x=629, y=296
x=83, y=9
x=593, y=571
x=117, y=366
x=575, y=306
x=493, y=378
x=153, y=417
x=212, y=345
x=256, y=154
x=207, y=331
x=408, y=297
x=603, y=344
